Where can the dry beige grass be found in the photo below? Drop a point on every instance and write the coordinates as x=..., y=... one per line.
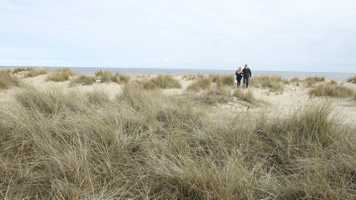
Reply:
x=83, y=80
x=107, y=76
x=60, y=75
x=311, y=81
x=212, y=96
x=222, y=80
x=191, y=77
x=244, y=95
x=104, y=76
x=57, y=144
x=7, y=80
x=35, y=72
x=272, y=83
x=162, y=82
x=331, y=89
x=200, y=84
x=21, y=69
x=120, y=79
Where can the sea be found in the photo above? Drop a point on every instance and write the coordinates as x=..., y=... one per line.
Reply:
x=166, y=71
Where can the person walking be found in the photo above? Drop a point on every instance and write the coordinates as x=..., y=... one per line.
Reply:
x=238, y=76
x=246, y=74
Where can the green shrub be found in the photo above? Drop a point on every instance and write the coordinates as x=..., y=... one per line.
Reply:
x=60, y=75
x=352, y=80
x=35, y=72
x=331, y=90
x=7, y=80
x=200, y=84
x=83, y=80
x=273, y=83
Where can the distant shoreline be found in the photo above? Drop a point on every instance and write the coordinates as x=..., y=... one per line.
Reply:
x=161, y=71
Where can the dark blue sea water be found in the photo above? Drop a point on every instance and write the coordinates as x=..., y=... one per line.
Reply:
x=152, y=71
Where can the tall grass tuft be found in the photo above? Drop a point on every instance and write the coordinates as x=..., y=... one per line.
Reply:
x=107, y=76
x=191, y=77
x=311, y=81
x=35, y=72
x=144, y=145
x=120, y=79
x=83, y=80
x=331, y=90
x=212, y=96
x=222, y=80
x=200, y=84
x=104, y=76
x=21, y=69
x=273, y=83
x=161, y=81
x=244, y=95
x=60, y=75
x=7, y=80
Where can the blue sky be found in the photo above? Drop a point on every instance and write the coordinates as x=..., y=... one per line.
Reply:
x=303, y=35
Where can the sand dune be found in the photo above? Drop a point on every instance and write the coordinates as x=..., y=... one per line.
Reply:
x=278, y=104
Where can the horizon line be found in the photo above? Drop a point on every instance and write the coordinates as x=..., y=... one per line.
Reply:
x=163, y=68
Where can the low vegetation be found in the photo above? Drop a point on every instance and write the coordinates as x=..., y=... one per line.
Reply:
x=21, y=69
x=7, y=80
x=311, y=81
x=104, y=76
x=222, y=80
x=244, y=95
x=162, y=82
x=352, y=80
x=120, y=79
x=35, y=72
x=331, y=89
x=272, y=83
x=83, y=80
x=145, y=145
x=212, y=96
x=294, y=81
x=200, y=84
x=60, y=75
x=191, y=77
x=107, y=76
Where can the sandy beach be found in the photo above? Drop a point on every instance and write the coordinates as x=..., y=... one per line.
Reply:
x=113, y=136
x=292, y=97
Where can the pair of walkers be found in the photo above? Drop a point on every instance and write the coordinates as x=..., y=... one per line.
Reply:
x=243, y=73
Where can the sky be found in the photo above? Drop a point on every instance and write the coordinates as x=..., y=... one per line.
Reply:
x=288, y=35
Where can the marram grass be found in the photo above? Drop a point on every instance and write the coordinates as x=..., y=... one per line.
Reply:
x=145, y=145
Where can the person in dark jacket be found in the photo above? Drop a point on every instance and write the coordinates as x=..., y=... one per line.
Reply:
x=246, y=74
x=238, y=76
